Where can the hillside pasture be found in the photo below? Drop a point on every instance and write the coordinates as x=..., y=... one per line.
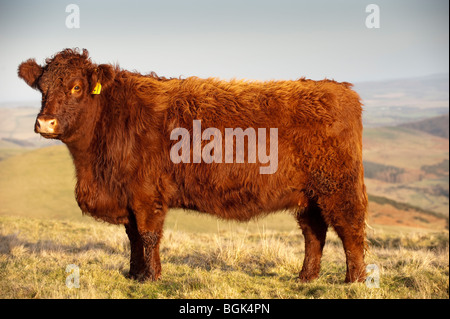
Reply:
x=34, y=256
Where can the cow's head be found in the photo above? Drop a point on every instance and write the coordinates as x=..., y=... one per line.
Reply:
x=69, y=83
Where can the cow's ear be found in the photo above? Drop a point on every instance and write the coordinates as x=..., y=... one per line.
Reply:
x=30, y=72
x=104, y=75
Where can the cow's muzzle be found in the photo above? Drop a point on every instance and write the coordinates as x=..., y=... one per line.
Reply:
x=46, y=125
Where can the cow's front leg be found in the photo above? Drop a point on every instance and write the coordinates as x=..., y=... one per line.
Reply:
x=149, y=220
x=152, y=266
x=137, y=262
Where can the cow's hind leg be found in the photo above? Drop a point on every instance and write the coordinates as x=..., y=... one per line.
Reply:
x=346, y=212
x=314, y=230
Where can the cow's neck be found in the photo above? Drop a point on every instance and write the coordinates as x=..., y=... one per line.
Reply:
x=80, y=145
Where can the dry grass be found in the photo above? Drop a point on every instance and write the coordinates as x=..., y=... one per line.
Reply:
x=34, y=255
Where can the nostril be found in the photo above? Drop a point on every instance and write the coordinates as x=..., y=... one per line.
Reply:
x=44, y=124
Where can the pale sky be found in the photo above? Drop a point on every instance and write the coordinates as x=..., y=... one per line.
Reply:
x=258, y=39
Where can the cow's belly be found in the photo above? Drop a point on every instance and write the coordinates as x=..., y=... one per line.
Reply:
x=240, y=193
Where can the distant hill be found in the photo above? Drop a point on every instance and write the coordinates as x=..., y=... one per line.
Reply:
x=425, y=92
x=437, y=126
x=407, y=166
x=17, y=127
x=399, y=101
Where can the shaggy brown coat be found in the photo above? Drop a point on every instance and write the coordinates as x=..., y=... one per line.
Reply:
x=120, y=144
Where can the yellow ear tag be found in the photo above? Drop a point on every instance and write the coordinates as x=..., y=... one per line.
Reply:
x=97, y=89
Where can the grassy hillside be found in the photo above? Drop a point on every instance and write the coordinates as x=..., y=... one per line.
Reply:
x=407, y=166
x=34, y=254
x=403, y=147
x=39, y=183
x=435, y=126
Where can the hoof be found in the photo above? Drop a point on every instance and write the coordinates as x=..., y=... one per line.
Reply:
x=143, y=277
x=307, y=277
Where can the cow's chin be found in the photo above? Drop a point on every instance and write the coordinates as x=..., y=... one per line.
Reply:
x=52, y=136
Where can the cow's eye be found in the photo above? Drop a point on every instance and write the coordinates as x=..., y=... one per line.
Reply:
x=76, y=89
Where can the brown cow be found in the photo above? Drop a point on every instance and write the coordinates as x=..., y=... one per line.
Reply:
x=119, y=127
